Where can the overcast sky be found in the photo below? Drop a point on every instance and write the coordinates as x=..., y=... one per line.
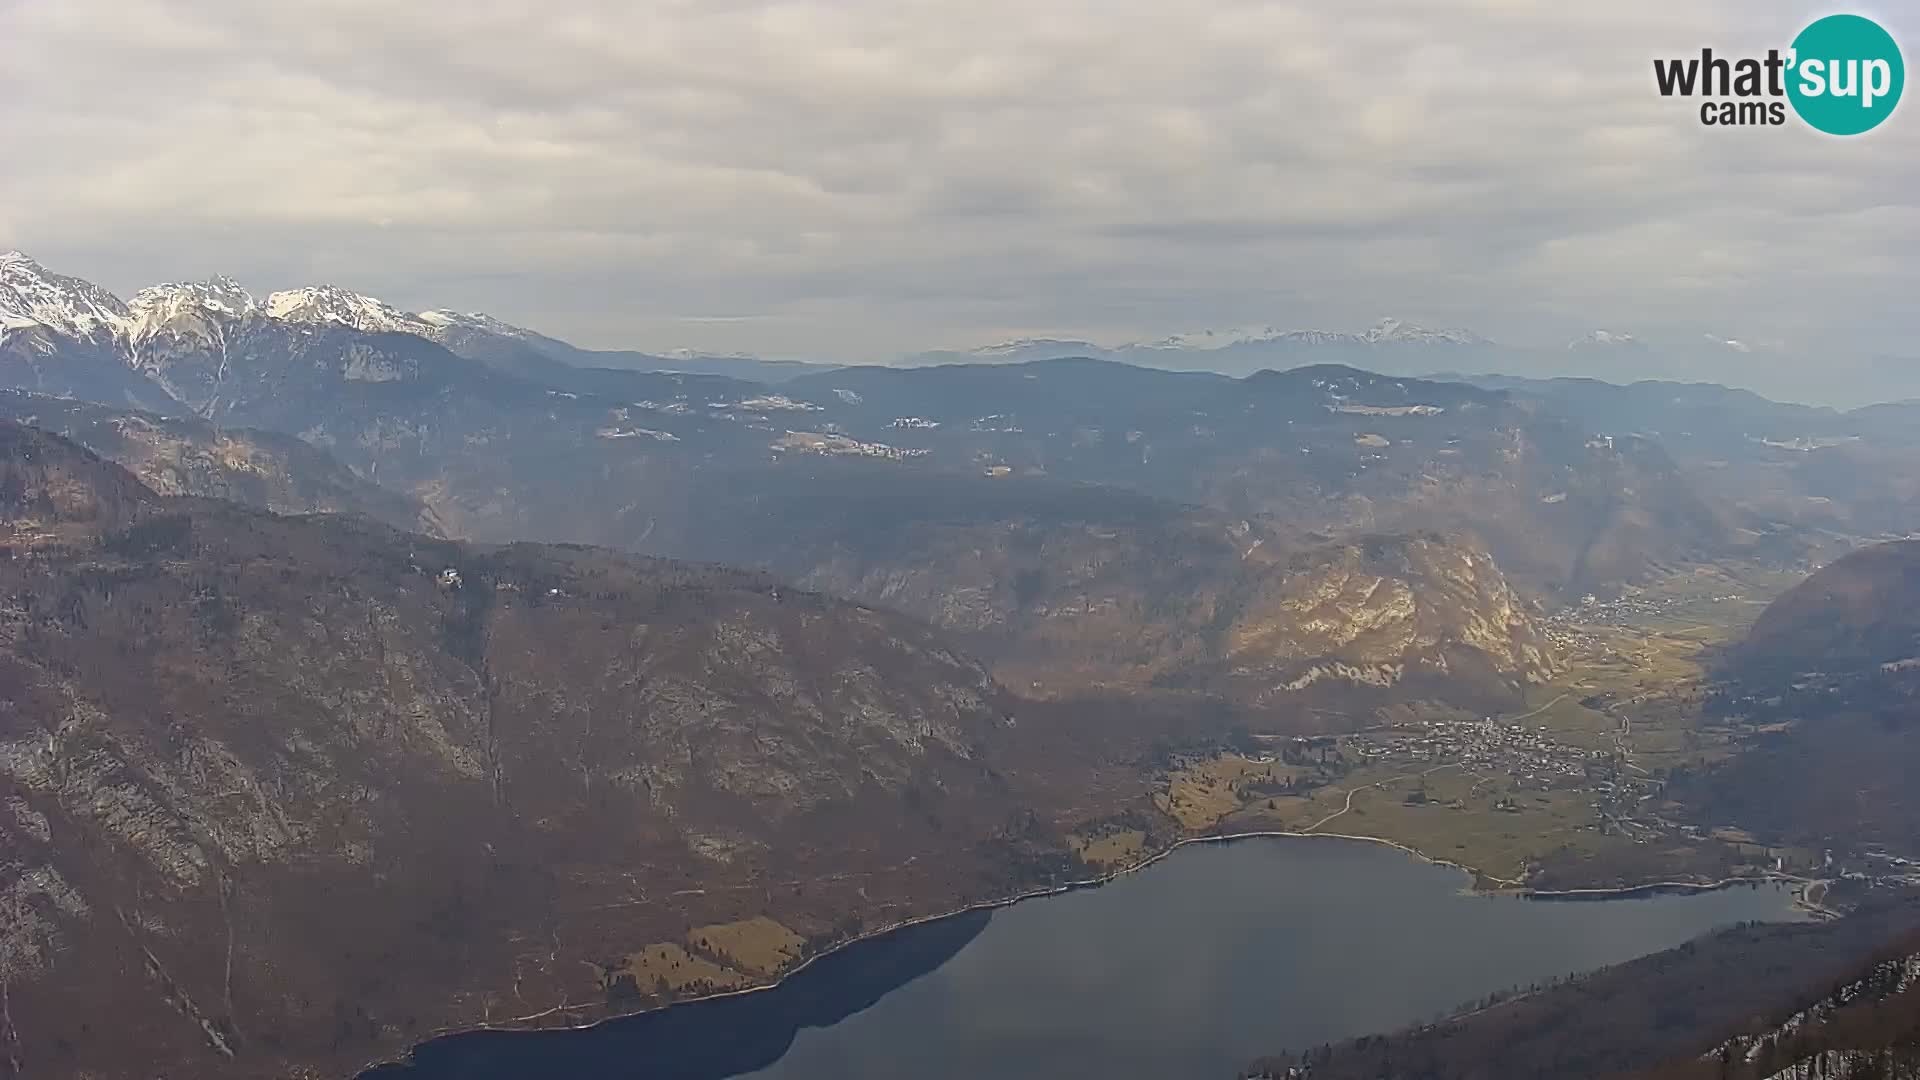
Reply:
x=861, y=178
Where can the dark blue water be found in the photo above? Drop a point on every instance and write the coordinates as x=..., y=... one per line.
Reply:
x=1190, y=968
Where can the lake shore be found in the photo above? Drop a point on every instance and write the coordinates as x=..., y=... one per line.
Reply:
x=1507, y=887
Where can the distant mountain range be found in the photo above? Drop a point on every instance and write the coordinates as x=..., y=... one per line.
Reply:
x=32, y=296
x=1399, y=347
x=506, y=433
x=1391, y=345
x=35, y=302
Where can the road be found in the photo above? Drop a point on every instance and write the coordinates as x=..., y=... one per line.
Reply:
x=1541, y=709
x=1351, y=792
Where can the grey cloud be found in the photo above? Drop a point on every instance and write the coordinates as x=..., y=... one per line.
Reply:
x=860, y=178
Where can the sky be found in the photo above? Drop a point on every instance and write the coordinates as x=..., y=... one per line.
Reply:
x=859, y=179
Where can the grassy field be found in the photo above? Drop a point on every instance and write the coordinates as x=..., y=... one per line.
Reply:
x=1443, y=812
x=668, y=965
x=724, y=956
x=759, y=945
x=1112, y=851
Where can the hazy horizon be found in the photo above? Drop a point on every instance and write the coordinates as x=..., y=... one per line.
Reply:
x=858, y=181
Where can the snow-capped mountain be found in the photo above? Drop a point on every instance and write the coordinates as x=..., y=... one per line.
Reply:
x=1385, y=332
x=1604, y=339
x=1017, y=351
x=1200, y=340
x=1027, y=348
x=445, y=320
x=203, y=344
x=322, y=305
x=699, y=354
x=1397, y=332
x=196, y=309
x=64, y=337
x=1390, y=344
x=33, y=296
x=1315, y=337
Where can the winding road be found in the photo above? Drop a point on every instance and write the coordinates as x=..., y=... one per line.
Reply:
x=1541, y=709
x=1351, y=792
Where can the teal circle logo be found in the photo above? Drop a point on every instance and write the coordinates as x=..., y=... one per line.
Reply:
x=1846, y=75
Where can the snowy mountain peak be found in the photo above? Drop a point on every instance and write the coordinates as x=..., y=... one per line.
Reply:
x=1604, y=339
x=1385, y=332
x=1208, y=340
x=444, y=319
x=31, y=295
x=193, y=309
x=1395, y=332
x=323, y=305
x=701, y=354
x=221, y=295
x=1022, y=346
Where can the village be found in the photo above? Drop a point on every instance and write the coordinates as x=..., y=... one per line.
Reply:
x=1513, y=756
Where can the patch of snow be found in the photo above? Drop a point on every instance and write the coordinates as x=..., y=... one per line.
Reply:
x=637, y=433
x=1603, y=338
x=1209, y=340
x=444, y=319
x=775, y=403
x=832, y=444
x=1388, y=410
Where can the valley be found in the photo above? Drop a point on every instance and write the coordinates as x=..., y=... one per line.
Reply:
x=847, y=540
x=1566, y=792
x=596, y=690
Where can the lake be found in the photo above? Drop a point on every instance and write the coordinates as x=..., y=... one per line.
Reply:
x=1190, y=968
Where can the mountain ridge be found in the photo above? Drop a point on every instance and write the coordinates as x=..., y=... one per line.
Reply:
x=320, y=787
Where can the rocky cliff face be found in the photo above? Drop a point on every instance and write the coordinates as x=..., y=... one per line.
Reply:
x=288, y=792
x=1383, y=609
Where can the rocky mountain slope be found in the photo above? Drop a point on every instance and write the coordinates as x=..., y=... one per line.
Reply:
x=1828, y=676
x=294, y=792
x=178, y=455
x=1066, y=587
x=1330, y=448
x=1859, y=617
x=61, y=335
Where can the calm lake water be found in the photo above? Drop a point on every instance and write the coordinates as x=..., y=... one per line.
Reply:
x=1190, y=968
